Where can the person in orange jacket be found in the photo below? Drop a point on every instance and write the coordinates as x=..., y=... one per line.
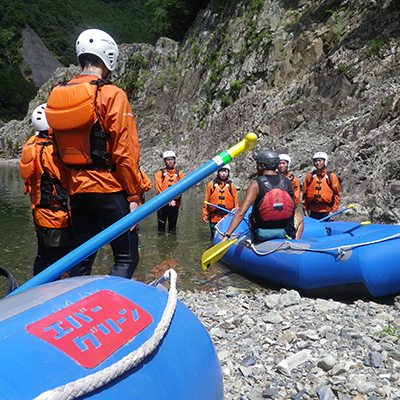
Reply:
x=221, y=192
x=164, y=178
x=283, y=166
x=49, y=199
x=97, y=140
x=321, y=190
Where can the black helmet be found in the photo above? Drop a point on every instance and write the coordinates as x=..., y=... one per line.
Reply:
x=269, y=158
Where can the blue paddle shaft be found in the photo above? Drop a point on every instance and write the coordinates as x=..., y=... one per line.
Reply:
x=225, y=210
x=335, y=213
x=133, y=218
x=119, y=227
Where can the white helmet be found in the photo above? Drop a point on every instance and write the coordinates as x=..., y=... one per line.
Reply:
x=228, y=167
x=99, y=43
x=285, y=157
x=39, y=120
x=168, y=154
x=321, y=154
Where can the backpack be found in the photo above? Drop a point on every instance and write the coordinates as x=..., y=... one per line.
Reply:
x=276, y=204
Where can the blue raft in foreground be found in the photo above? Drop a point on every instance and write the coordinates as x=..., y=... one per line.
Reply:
x=57, y=333
x=353, y=259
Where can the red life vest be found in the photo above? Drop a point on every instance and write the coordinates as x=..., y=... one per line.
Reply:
x=273, y=208
x=71, y=113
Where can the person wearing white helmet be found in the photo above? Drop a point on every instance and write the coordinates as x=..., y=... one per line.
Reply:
x=164, y=178
x=97, y=140
x=283, y=168
x=49, y=199
x=321, y=189
x=222, y=193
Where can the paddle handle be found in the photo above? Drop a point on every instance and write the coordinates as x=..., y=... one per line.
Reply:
x=335, y=213
x=133, y=218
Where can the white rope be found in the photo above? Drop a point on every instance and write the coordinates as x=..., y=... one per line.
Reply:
x=94, y=381
x=294, y=246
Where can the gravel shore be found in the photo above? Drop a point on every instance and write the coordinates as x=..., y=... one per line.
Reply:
x=284, y=346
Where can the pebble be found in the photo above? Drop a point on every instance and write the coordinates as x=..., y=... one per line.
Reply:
x=281, y=346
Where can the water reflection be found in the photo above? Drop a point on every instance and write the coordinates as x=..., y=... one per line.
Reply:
x=181, y=251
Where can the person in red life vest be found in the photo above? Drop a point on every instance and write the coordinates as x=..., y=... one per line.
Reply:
x=283, y=166
x=221, y=192
x=321, y=190
x=49, y=199
x=96, y=138
x=164, y=178
x=272, y=197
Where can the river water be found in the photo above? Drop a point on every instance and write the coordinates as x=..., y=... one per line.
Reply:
x=181, y=251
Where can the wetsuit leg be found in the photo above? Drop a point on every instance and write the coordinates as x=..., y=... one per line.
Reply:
x=162, y=214
x=106, y=209
x=39, y=265
x=172, y=218
x=318, y=215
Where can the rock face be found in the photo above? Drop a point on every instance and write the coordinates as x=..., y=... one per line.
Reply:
x=35, y=52
x=305, y=76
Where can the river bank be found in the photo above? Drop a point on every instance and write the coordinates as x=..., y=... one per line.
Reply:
x=283, y=346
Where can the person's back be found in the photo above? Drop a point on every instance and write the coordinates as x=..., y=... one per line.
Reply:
x=276, y=210
x=97, y=140
x=49, y=199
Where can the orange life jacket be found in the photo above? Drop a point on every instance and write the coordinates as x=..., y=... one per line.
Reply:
x=167, y=179
x=44, y=190
x=221, y=196
x=319, y=190
x=72, y=114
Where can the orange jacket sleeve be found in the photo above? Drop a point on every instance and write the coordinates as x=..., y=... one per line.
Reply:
x=207, y=196
x=296, y=190
x=117, y=118
x=336, y=191
x=305, y=188
x=158, y=182
x=235, y=197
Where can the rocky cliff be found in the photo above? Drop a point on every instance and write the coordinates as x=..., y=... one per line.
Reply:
x=305, y=76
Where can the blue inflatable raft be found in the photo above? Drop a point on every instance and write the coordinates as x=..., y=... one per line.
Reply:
x=76, y=333
x=331, y=257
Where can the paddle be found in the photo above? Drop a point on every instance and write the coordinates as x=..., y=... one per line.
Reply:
x=337, y=212
x=357, y=226
x=223, y=209
x=125, y=223
x=211, y=256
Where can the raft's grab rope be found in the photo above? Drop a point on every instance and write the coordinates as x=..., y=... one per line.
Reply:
x=340, y=249
x=94, y=381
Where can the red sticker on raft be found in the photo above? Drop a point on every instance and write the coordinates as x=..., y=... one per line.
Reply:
x=90, y=330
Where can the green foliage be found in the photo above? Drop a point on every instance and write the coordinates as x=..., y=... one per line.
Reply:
x=374, y=48
x=236, y=87
x=172, y=18
x=131, y=81
x=391, y=331
x=59, y=22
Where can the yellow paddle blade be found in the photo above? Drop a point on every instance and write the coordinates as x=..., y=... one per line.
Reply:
x=211, y=256
x=365, y=223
